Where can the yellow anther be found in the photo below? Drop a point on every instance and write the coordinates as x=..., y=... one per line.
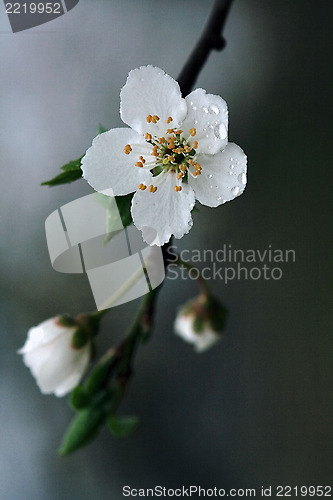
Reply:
x=191, y=162
x=155, y=119
x=142, y=187
x=193, y=132
x=141, y=158
x=178, y=150
x=187, y=149
x=154, y=151
x=155, y=189
x=127, y=149
x=195, y=173
x=148, y=137
x=182, y=168
x=171, y=158
x=180, y=175
x=139, y=164
x=152, y=189
x=161, y=140
x=195, y=144
x=169, y=119
x=149, y=118
x=177, y=132
x=198, y=167
x=170, y=130
x=177, y=188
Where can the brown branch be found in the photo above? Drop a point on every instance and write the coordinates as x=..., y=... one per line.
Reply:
x=211, y=39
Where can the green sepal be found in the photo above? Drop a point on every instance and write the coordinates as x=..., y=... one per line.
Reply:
x=218, y=314
x=79, y=398
x=66, y=320
x=98, y=376
x=83, y=429
x=198, y=324
x=80, y=338
x=122, y=426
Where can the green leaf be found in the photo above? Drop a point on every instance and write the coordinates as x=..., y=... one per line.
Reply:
x=74, y=165
x=122, y=426
x=71, y=170
x=83, y=428
x=124, y=207
x=101, y=129
x=64, y=178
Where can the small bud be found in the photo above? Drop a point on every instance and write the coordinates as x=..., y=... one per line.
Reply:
x=201, y=322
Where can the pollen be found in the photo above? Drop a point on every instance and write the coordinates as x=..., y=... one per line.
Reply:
x=154, y=151
x=161, y=140
x=191, y=162
x=149, y=119
x=187, y=149
x=139, y=164
x=127, y=149
x=177, y=188
x=193, y=132
x=178, y=132
x=171, y=158
x=142, y=187
x=141, y=158
x=152, y=189
x=155, y=119
x=198, y=167
x=180, y=175
x=169, y=119
x=182, y=168
x=170, y=130
x=195, y=145
x=148, y=137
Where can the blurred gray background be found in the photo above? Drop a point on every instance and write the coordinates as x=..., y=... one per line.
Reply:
x=258, y=408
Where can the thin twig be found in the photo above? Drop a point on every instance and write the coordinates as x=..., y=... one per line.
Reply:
x=211, y=39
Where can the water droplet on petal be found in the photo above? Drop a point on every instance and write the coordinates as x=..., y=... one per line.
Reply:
x=235, y=190
x=242, y=178
x=204, y=109
x=213, y=109
x=195, y=122
x=207, y=136
x=219, y=198
x=210, y=176
x=220, y=132
x=194, y=108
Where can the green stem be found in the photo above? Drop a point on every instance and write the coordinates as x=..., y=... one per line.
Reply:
x=201, y=281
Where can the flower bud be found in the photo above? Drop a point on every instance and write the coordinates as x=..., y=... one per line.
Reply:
x=201, y=321
x=49, y=353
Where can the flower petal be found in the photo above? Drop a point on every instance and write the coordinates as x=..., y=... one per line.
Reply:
x=208, y=114
x=150, y=91
x=106, y=166
x=61, y=365
x=223, y=176
x=164, y=212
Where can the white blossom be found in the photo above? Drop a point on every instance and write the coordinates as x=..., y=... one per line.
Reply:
x=175, y=151
x=55, y=364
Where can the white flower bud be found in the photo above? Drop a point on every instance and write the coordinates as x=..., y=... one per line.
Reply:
x=55, y=364
x=200, y=322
